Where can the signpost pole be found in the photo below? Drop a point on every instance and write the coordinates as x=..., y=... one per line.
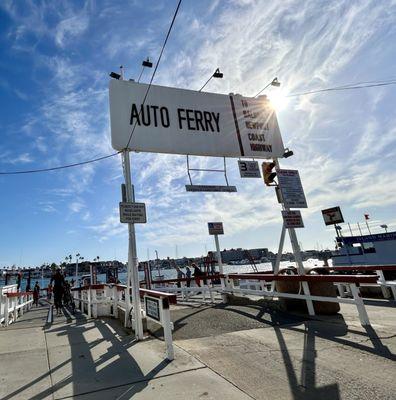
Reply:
x=219, y=260
x=297, y=256
x=132, y=275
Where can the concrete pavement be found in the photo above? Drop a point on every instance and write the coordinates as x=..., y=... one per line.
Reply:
x=97, y=359
x=221, y=352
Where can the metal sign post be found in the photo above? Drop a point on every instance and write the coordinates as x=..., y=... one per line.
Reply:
x=297, y=253
x=216, y=229
x=219, y=260
x=132, y=275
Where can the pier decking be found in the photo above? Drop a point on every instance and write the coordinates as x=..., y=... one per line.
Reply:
x=221, y=352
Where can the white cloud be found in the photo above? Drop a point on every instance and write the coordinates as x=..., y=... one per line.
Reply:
x=70, y=28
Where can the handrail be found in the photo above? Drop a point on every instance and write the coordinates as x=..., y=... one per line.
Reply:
x=308, y=278
x=201, y=277
x=17, y=294
x=364, y=268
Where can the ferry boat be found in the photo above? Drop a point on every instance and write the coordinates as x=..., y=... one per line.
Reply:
x=375, y=249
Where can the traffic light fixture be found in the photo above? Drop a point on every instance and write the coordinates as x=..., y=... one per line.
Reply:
x=268, y=174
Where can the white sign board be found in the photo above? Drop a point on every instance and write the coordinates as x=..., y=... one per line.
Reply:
x=152, y=306
x=332, y=216
x=210, y=188
x=215, y=228
x=292, y=219
x=134, y=213
x=179, y=121
x=291, y=188
x=249, y=169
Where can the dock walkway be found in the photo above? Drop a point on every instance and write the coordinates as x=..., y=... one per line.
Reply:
x=221, y=352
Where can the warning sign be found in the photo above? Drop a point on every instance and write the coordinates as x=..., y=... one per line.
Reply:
x=292, y=219
x=332, y=216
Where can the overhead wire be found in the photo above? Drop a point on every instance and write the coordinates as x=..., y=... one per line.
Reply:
x=32, y=171
x=133, y=129
x=352, y=86
x=155, y=69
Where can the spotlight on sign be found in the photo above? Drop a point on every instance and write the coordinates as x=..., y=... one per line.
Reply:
x=114, y=75
x=147, y=63
x=217, y=74
x=288, y=153
x=275, y=82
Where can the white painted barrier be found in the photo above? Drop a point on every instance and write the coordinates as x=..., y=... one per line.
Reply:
x=13, y=304
x=108, y=299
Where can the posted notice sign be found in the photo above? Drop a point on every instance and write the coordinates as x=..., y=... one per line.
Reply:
x=179, y=121
x=215, y=228
x=152, y=306
x=133, y=213
x=291, y=188
x=249, y=169
x=292, y=219
x=332, y=216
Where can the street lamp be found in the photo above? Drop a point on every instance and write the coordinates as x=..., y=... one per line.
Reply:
x=216, y=74
x=274, y=82
x=78, y=257
x=384, y=226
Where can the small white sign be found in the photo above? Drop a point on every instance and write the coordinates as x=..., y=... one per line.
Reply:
x=292, y=219
x=332, y=216
x=291, y=188
x=210, y=188
x=152, y=308
x=215, y=228
x=249, y=169
x=133, y=213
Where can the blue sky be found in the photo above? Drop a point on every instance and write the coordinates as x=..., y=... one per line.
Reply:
x=54, y=63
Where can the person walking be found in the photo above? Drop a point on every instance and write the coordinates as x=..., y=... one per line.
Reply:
x=58, y=289
x=197, y=274
x=36, y=294
x=49, y=291
x=188, y=276
x=180, y=275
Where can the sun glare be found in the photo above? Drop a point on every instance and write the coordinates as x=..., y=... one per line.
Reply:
x=278, y=100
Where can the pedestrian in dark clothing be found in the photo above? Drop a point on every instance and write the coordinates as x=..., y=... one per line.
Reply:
x=58, y=290
x=188, y=276
x=180, y=275
x=36, y=294
x=197, y=274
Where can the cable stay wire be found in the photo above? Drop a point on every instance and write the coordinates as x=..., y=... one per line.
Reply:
x=32, y=171
x=345, y=87
x=155, y=69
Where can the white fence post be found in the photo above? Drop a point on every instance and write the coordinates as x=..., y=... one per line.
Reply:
x=167, y=325
x=6, y=311
x=89, y=311
x=364, y=319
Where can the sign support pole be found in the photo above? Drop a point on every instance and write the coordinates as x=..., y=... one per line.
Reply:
x=280, y=250
x=297, y=256
x=219, y=260
x=132, y=275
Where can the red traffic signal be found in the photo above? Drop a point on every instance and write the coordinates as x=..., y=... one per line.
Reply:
x=268, y=174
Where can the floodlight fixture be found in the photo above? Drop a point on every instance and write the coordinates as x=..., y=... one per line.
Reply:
x=114, y=75
x=147, y=63
x=288, y=153
x=274, y=82
x=216, y=74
